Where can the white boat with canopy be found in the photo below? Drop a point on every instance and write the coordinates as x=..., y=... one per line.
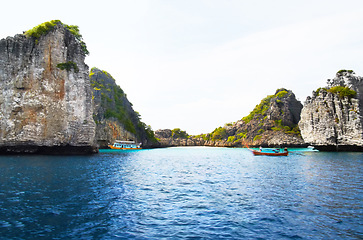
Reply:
x=125, y=145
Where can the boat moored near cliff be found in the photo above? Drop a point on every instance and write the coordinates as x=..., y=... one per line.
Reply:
x=275, y=152
x=257, y=153
x=125, y=145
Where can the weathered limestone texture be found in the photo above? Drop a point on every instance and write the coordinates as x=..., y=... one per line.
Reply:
x=44, y=109
x=331, y=122
x=109, y=130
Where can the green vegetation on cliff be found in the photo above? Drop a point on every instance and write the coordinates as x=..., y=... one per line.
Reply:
x=112, y=100
x=178, y=133
x=111, y=103
x=275, y=117
x=347, y=71
x=261, y=109
x=218, y=134
x=44, y=28
x=339, y=86
x=68, y=66
x=317, y=92
x=341, y=91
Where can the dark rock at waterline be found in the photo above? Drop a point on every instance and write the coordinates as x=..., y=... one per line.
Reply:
x=339, y=148
x=47, y=150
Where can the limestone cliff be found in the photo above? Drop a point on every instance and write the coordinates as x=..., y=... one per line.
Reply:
x=272, y=123
x=176, y=137
x=114, y=114
x=332, y=119
x=45, y=101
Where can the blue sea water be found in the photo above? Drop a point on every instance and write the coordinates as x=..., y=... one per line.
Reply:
x=182, y=193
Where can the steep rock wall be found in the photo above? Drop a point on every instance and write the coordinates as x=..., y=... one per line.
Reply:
x=44, y=109
x=114, y=115
x=333, y=122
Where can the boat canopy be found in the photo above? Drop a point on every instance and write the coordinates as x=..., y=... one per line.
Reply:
x=125, y=142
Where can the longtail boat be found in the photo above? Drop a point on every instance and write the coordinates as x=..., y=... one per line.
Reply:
x=257, y=153
x=261, y=153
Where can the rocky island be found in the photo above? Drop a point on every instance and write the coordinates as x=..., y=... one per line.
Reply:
x=332, y=119
x=45, y=103
x=272, y=123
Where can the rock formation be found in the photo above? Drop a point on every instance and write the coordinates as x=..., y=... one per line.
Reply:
x=113, y=113
x=176, y=137
x=45, y=101
x=273, y=123
x=332, y=119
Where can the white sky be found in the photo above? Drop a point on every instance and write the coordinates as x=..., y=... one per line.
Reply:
x=198, y=64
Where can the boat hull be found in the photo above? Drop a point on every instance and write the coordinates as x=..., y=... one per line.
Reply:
x=256, y=153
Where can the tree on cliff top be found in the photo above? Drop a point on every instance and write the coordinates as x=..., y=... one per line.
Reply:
x=339, y=85
x=178, y=133
x=42, y=29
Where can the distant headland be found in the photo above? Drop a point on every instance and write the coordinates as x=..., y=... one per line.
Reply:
x=330, y=120
x=51, y=103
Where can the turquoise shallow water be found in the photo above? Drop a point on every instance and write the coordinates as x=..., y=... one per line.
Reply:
x=182, y=193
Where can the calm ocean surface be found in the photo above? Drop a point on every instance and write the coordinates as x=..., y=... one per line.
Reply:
x=182, y=193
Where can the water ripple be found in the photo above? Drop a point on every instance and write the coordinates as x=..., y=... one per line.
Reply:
x=182, y=193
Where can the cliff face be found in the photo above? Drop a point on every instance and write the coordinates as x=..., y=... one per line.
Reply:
x=272, y=123
x=332, y=118
x=44, y=109
x=113, y=113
